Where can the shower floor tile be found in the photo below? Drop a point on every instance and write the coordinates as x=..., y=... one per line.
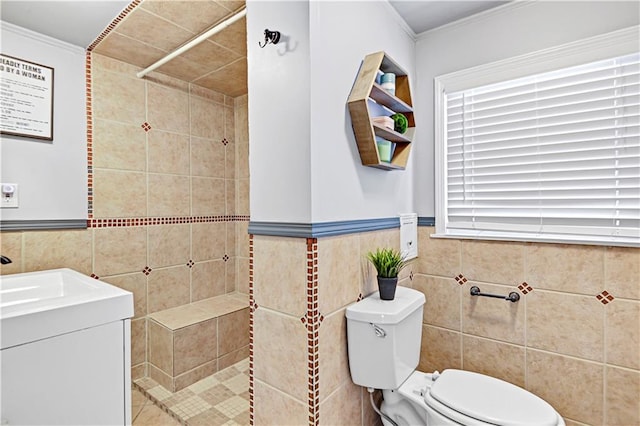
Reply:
x=220, y=399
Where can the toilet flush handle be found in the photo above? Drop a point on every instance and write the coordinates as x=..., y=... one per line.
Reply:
x=379, y=331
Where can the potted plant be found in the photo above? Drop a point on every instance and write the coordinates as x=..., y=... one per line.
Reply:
x=388, y=263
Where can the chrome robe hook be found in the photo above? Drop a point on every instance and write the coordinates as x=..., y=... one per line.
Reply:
x=270, y=37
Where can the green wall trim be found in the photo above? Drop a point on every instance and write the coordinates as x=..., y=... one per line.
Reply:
x=37, y=225
x=328, y=229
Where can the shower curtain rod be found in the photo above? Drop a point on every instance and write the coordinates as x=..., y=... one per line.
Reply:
x=202, y=37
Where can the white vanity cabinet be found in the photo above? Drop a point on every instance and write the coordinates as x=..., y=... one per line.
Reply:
x=67, y=361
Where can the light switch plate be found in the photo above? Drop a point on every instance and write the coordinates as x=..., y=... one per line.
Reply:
x=9, y=195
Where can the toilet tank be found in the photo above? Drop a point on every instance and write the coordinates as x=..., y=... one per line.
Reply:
x=384, y=338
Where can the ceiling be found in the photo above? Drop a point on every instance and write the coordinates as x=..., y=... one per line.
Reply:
x=157, y=27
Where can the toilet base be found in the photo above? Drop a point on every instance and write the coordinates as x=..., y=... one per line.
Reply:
x=400, y=410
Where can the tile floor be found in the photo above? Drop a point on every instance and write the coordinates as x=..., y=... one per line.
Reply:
x=217, y=400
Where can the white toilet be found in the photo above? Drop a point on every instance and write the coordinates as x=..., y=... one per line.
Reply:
x=384, y=349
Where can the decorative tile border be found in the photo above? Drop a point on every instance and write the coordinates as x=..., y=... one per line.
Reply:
x=89, y=114
x=113, y=24
x=147, y=221
x=252, y=309
x=314, y=318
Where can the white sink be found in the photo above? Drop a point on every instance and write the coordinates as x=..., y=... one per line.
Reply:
x=37, y=305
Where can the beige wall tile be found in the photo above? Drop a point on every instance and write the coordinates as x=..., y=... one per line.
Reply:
x=622, y=269
x=168, y=153
x=565, y=323
x=231, y=274
x=491, y=261
x=136, y=283
x=333, y=357
x=161, y=377
x=190, y=377
x=493, y=318
x=195, y=17
x=281, y=341
x=138, y=341
x=119, y=146
x=338, y=272
x=496, y=359
x=439, y=349
x=208, y=241
x=131, y=51
x=231, y=240
x=109, y=64
x=275, y=408
x=120, y=250
x=369, y=416
x=139, y=371
x=208, y=196
x=438, y=256
x=280, y=274
x=207, y=119
x=207, y=157
x=242, y=159
x=623, y=333
x=558, y=380
x=118, y=97
x=342, y=407
x=208, y=280
x=243, y=205
x=229, y=124
x=230, y=196
x=233, y=331
x=160, y=346
x=568, y=268
x=194, y=346
x=242, y=284
x=168, y=195
x=622, y=403
x=242, y=238
x=119, y=194
x=11, y=246
x=233, y=357
x=168, y=288
x=230, y=161
x=167, y=109
x=57, y=249
x=169, y=245
x=443, y=299
x=160, y=33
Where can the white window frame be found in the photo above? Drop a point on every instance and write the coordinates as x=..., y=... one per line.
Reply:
x=617, y=43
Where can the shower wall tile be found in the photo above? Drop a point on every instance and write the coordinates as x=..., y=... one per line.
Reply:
x=119, y=250
x=233, y=331
x=338, y=272
x=559, y=379
x=138, y=341
x=194, y=346
x=168, y=288
x=242, y=239
x=207, y=119
x=208, y=240
x=280, y=274
x=343, y=407
x=11, y=246
x=501, y=360
x=56, y=249
x=230, y=241
x=492, y=318
x=243, y=276
x=207, y=279
x=623, y=334
x=168, y=152
x=491, y=261
x=171, y=116
x=118, y=97
x=281, y=341
x=168, y=245
x=439, y=256
x=334, y=361
x=160, y=343
x=168, y=195
x=622, y=403
x=230, y=160
x=243, y=207
x=567, y=268
x=132, y=51
x=440, y=349
x=136, y=283
x=566, y=324
x=194, y=17
x=207, y=158
x=277, y=408
x=119, y=193
x=195, y=375
x=119, y=146
x=208, y=196
x=231, y=273
x=230, y=196
x=443, y=298
x=622, y=269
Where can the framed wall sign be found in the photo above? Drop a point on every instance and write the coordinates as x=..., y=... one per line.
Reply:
x=26, y=98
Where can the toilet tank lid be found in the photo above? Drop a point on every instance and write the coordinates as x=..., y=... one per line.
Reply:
x=375, y=310
x=491, y=400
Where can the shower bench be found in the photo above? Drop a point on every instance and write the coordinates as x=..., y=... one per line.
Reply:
x=190, y=342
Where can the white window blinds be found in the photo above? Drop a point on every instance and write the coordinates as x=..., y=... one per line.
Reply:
x=554, y=154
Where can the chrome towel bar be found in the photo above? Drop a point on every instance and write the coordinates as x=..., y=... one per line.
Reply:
x=512, y=297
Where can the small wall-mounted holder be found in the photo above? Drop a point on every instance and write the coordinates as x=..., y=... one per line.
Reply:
x=272, y=37
x=512, y=297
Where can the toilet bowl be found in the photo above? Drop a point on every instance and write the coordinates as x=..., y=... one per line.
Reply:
x=384, y=349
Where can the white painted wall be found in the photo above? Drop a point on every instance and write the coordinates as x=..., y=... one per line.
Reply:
x=52, y=175
x=304, y=161
x=512, y=30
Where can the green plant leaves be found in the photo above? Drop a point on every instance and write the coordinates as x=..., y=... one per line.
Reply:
x=387, y=261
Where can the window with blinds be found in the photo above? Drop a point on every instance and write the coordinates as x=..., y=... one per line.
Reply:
x=554, y=155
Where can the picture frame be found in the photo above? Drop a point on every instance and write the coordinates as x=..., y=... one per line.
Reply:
x=26, y=98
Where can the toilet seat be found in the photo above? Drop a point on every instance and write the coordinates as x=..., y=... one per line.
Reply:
x=488, y=400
